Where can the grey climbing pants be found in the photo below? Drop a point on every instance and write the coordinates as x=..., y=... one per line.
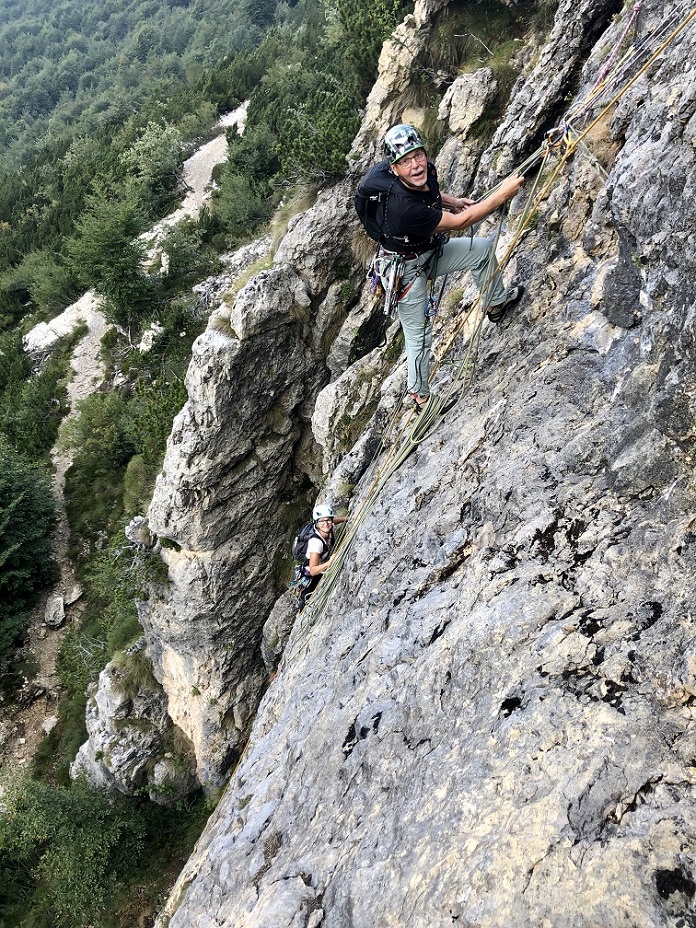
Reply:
x=459, y=254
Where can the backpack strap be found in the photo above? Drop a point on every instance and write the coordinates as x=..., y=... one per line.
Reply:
x=385, y=222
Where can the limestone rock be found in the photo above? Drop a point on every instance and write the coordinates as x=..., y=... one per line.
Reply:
x=132, y=745
x=462, y=105
x=345, y=407
x=74, y=594
x=466, y=100
x=251, y=313
x=539, y=93
x=54, y=613
x=384, y=107
x=138, y=532
x=149, y=337
x=234, y=451
x=277, y=628
x=358, y=330
x=492, y=721
x=317, y=242
x=212, y=290
x=44, y=335
x=49, y=724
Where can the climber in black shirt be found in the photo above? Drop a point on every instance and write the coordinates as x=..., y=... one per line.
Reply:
x=415, y=213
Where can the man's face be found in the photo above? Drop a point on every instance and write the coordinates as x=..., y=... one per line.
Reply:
x=412, y=169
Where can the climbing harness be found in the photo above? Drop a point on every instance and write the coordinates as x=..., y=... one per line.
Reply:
x=560, y=142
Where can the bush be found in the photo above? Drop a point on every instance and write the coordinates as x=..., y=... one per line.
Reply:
x=63, y=852
x=107, y=255
x=365, y=27
x=154, y=160
x=245, y=197
x=189, y=259
x=33, y=404
x=94, y=482
x=318, y=133
x=27, y=515
x=137, y=486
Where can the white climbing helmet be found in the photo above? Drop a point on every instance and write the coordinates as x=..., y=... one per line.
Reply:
x=322, y=512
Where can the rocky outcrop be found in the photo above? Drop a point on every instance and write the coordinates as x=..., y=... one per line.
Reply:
x=492, y=721
x=229, y=465
x=540, y=98
x=133, y=746
x=384, y=105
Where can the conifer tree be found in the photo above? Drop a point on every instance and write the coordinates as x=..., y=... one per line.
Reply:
x=26, y=519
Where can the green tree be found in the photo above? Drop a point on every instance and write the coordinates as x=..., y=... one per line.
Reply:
x=33, y=404
x=63, y=853
x=94, y=484
x=365, y=27
x=107, y=255
x=27, y=515
x=154, y=159
x=49, y=283
x=317, y=135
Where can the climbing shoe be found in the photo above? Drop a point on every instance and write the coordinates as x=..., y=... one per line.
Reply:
x=512, y=297
x=419, y=402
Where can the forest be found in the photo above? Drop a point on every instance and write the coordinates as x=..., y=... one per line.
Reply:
x=67, y=67
x=100, y=105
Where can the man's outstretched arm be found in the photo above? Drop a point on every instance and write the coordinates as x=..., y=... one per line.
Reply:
x=467, y=214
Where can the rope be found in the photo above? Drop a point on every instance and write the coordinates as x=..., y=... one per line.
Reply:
x=630, y=60
x=564, y=139
x=599, y=83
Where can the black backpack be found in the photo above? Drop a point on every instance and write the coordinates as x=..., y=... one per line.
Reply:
x=299, y=545
x=371, y=200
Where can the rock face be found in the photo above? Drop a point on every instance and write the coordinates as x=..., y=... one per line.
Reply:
x=229, y=465
x=492, y=722
x=132, y=744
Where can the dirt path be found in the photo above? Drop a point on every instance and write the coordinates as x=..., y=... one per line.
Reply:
x=35, y=714
x=24, y=724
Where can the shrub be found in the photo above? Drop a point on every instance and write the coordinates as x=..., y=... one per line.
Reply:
x=27, y=515
x=189, y=259
x=318, y=133
x=49, y=284
x=154, y=160
x=137, y=486
x=32, y=405
x=63, y=852
x=93, y=486
x=135, y=671
x=107, y=255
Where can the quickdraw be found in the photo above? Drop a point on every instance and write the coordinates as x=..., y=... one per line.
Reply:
x=385, y=275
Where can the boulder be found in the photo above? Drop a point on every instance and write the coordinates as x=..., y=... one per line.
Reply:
x=54, y=613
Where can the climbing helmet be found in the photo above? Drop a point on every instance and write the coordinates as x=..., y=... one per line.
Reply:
x=399, y=141
x=322, y=512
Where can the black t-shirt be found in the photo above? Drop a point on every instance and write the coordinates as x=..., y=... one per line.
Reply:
x=413, y=215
